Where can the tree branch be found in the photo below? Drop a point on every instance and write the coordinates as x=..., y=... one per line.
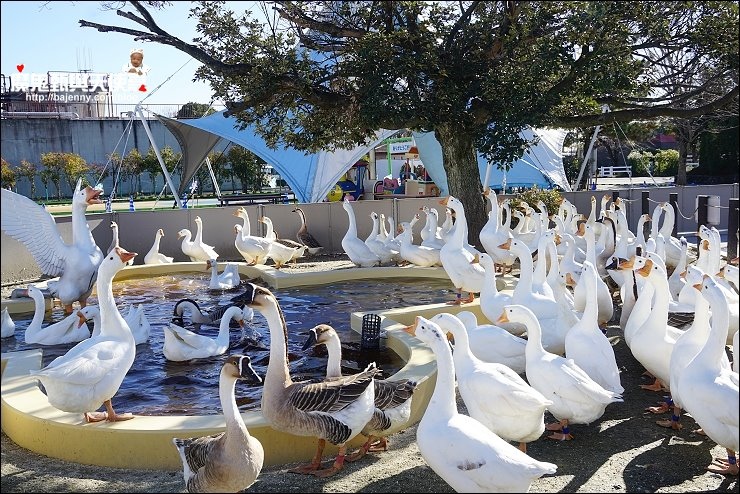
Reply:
x=648, y=113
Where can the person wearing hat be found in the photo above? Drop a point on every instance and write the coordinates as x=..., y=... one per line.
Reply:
x=136, y=63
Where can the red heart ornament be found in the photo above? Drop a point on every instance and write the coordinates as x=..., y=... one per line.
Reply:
x=20, y=67
x=142, y=88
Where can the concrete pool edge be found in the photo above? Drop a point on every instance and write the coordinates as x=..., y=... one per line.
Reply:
x=146, y=441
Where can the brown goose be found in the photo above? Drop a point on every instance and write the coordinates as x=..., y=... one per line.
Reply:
x=304, y=237
x=231, y=460
x=392, y=398
x=334, y=410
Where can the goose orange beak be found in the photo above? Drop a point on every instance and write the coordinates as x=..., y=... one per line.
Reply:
x=444, y=201
x=506, y=245
x=502, y=318
x=645, y=270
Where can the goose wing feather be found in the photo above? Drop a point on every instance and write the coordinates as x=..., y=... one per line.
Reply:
x=86, y=368
x=198, y=449
x=332, y=395
x=390, y=394
x=32, y=225
x=187, y=337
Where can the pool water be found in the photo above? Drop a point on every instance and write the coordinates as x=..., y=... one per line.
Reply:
x=156, y=386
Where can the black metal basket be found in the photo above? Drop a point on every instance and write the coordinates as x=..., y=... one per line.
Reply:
x=370, y=332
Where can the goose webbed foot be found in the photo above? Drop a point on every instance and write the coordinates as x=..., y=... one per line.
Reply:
x=559, y=436
x=656, y=386
x=112, y=416
x=315, y=463
x=336, y=466
x=379, y=445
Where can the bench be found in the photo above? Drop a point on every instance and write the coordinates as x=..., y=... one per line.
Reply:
x=610, y=171
x=254, y=199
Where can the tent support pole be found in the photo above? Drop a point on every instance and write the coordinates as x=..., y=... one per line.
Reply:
x=604, y=109
x=159, y=156
x=213, y=178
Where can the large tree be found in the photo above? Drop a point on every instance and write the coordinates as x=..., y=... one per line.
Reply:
x=325, y=74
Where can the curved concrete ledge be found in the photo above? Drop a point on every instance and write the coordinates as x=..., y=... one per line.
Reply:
x=146, y=441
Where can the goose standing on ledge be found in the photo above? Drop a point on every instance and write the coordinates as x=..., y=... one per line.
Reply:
x=304, y=237
x=154, y=256
x=359, y=253
x=334, y=410
x=91, y=372
x=77, y=263
x=229, y=461
x=196, y=250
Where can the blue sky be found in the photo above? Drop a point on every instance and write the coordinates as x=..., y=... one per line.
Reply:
x=46, y=36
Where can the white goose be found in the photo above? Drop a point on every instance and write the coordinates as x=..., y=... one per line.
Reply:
x=359, y=253
x=196, y=249
x=376, y=243
x=154, y=256
x=229, y=461
x=416, y=254
x=253, y=248
x=8, y=325
x=603, y=295
x=91, y=372
x=460, y=449
x=492, y=301
x=687, y=346
x=494, y=233
x=334, y=410
x=548, y=311
x=282, y=250
x=392, y=398
x=76, y=264
x=456, y=259
x=430, y=236
x=577, y=399
x=494, y=393
x=709, y=391
x=587, y=345
x=68, y=330
x=491, y=343
x=229, y=278
x=181, y=344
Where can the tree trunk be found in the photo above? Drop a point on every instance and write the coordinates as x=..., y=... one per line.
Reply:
x=460, y=162
x=681, y=173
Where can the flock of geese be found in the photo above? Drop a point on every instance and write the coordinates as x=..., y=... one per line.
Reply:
x=679, y=311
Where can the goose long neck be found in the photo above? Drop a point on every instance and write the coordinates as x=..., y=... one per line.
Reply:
x=659, y=313
x=443, y=397
x=81, y=233
x=713, y=351
x=462, y=354
x=226, y=384
x=334, y=362
x=277, y=369
x=199, y=232
x=157, y=238
x=507, y=221
x=667, y=228
x=39, y=309
x=223, y=328
x=246, y=226
x=352, y=230
x=269, y=229
x=525, y=272
x=110, y=317
x=534, y=346
x=591, y=311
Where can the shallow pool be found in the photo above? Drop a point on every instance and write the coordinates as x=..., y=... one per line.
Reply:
x=155, y=386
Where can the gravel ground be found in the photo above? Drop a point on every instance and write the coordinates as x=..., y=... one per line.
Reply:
x=622, y=452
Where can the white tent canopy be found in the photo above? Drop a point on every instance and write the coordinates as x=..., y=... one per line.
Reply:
x=541, y=165
x=312, y=176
